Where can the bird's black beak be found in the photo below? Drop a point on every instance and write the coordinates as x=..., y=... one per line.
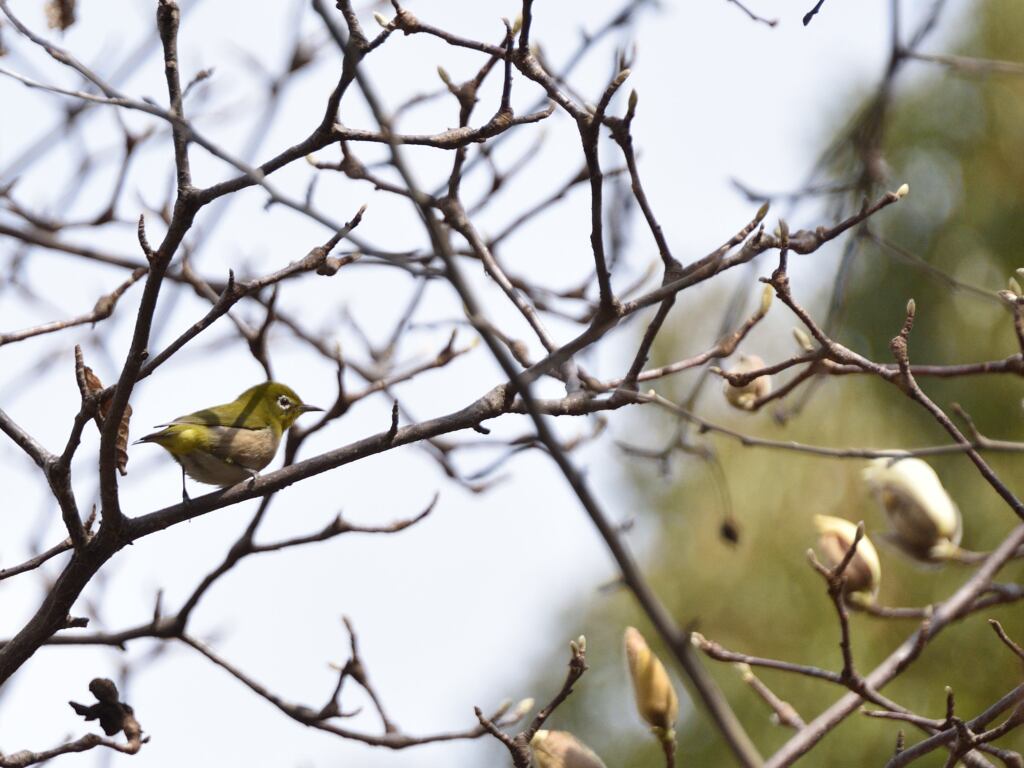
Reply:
x=305, y=408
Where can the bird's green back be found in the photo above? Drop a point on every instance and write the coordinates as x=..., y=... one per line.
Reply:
x=253, y=409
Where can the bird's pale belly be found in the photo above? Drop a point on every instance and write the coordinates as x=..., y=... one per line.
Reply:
x=207, y=468
x=250, y=451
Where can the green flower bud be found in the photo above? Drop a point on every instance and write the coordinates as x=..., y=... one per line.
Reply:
x=835, y=537
x=926, y=524
x=656, y=699
x=560, y=749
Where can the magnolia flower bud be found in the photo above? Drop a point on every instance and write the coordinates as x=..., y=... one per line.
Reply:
x=803, y=340
x=925, y=521
x=560, y=749
x=656, y=699
x=523, y=708
x=903, y=191
x=835, y=537
x=745, y=396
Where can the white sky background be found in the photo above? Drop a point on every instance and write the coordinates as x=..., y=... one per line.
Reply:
x=458, y=611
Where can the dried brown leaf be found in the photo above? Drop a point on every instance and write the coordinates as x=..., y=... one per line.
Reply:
x=89, y=383
x=60, y=14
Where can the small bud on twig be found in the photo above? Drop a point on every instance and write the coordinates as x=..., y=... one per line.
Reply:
x=803, y=340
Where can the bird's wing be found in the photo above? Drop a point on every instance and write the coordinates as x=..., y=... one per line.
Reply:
x=208, y=417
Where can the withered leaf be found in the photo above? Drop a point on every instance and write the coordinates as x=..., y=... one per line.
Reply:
x=89, y=383
x=60, y=14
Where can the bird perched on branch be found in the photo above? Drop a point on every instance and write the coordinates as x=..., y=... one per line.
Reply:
x=225, y=444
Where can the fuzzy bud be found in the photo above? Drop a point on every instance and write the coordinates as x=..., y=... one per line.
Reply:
x=522, y=709
x=656, y=699
x=560, y=749
x=903, y=191
x=803, y=340
x=766, y=299
x=744, y=397
x=381, y=19
x=1014, y=286
x=926, y=523
x=835, y=537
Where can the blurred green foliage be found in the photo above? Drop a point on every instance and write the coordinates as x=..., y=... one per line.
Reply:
x=959, y=142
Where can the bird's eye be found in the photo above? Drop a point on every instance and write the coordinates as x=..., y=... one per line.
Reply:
x=284, y=402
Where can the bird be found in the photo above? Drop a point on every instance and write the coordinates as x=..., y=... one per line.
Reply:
x=226, y=444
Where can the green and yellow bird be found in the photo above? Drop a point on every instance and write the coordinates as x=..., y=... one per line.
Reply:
x=228, y=443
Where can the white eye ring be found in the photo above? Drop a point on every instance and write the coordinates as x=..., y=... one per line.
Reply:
x=284, y=402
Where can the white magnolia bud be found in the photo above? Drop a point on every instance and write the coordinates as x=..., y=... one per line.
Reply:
x=744, y=397
x=903, y=191
x=926, y=523
x=560, y=749
x=835, y=537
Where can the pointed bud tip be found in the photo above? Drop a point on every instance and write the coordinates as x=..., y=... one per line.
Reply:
x=903, y=191
x=803, y=340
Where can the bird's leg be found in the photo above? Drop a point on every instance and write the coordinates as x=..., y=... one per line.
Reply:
x=253, y=477
x=184, y=493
